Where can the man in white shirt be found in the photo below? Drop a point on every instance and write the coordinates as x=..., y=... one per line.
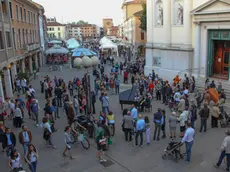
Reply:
x=188, y=140
x=23, y=84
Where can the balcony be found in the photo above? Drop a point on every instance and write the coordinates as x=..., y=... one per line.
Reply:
x=31, y=46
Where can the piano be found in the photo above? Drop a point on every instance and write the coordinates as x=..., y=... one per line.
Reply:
x=130, y=97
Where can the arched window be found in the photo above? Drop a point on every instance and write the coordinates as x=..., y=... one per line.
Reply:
x=178, y=12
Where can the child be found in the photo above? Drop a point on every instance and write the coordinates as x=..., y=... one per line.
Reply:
x=147, y=132
x=111, y=122
x=68, y=141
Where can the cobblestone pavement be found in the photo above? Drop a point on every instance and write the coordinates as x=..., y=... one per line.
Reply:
x=124, y=156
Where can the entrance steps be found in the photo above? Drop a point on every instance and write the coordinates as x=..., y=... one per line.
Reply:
x=200, y=83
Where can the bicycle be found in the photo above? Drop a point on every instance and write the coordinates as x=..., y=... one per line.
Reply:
x=80, y=137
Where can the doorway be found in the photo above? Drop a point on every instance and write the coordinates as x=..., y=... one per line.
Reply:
x=221, y=59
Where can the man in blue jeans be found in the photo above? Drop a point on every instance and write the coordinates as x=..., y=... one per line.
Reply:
x=188, y=140
x=225, y=151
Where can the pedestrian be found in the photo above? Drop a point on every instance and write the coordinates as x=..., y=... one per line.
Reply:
x=55, y=107
x=127, y=125
x=111, y=122
x=2, y=131
x=117, y=85
x=105, y=102
x=32, y=157
x=100, y=141
x=58, y=92
x=158, y=121
x=204, y=115
x=193, y=115
x=34, y=109
x=48, y=133
x=25, y=138
x=172, y=125
x=140, y=126
x=23, y=85
x=68, y=142
x=17, y=117
x=183, y=119
x=163, y=124
x=225, y=151
x=215, y=115
x=188, y=140
x=15, y=161
x=8, y=141
x=147, y=130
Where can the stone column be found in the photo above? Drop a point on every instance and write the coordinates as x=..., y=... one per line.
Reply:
x=149, y=45
x=31, y=64
x=40, y=57
x=1, y=90
x=23, y=65
x=8, y=84
x=196, y=62
x=187, y=23
x=36, y=61
x=13, y=72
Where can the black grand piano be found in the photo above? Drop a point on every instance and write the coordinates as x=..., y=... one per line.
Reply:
x=130, y=97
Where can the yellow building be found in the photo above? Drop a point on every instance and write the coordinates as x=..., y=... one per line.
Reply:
x=132, y=33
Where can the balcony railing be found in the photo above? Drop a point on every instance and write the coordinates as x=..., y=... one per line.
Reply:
x=32, y=46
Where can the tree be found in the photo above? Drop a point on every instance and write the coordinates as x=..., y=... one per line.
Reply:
x=143, y=18
x=81, y=22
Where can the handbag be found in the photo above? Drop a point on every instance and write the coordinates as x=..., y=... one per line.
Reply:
x=102, y=141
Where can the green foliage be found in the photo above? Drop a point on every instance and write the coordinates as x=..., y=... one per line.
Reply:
x=143, y=18
x=80, y=22
x=22, y=75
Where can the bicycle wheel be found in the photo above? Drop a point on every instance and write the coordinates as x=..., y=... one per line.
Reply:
x=85, y=143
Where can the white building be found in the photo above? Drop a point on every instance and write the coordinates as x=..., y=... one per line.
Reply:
x=188, y=35
x=56, y=30
x=128, y=30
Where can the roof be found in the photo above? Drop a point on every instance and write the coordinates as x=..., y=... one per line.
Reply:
x=133, y=2
x=138, y=14
x=54, y=24
x=82, y=25
x=38, y=5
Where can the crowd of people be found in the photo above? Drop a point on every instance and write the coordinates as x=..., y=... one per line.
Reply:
x=187, y=105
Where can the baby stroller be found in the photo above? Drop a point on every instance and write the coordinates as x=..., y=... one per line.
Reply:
x=224, y=120
x=173, y=150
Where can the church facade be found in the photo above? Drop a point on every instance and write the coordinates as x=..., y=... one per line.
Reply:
x=188, y=36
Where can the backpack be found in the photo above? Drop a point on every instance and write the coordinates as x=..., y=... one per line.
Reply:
x=34, y=107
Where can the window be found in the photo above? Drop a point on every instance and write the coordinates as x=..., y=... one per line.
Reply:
x=17, y=15
x=11, y=13
x=34, y=19
x=58, y=28
x=31, y=16
x=21, y=14
x=59, y=35
x=142, y=35
x=4, y=8
x=31, y=40
x=25, y=15
x=19, y=38
x=27, y=40
x=28, y=17
x=23, y=36
x=8, y=40
x=1, y=41
x=14, y=38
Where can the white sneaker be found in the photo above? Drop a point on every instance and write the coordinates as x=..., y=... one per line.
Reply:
x=102, y=160
x=37, y=125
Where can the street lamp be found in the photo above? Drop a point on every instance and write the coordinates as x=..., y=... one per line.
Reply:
x=87, y=63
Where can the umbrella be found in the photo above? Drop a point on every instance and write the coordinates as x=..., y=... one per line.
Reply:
x=57, y=50
x=72, y=43
x=79, y=52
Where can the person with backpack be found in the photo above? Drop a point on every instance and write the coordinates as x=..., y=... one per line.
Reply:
x=100, y=141
x=34, y=109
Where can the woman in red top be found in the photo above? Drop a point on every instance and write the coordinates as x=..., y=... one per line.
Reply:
x=151, y=87
x=126, y=74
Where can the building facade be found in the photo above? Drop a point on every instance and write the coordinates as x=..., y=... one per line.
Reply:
x=113, y=31
x=56, y=30
x=74, y=31
x=188, y=35
x=132, y=33
x=19, y=42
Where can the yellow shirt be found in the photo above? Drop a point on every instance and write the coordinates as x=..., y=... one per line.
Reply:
x=111, y=119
